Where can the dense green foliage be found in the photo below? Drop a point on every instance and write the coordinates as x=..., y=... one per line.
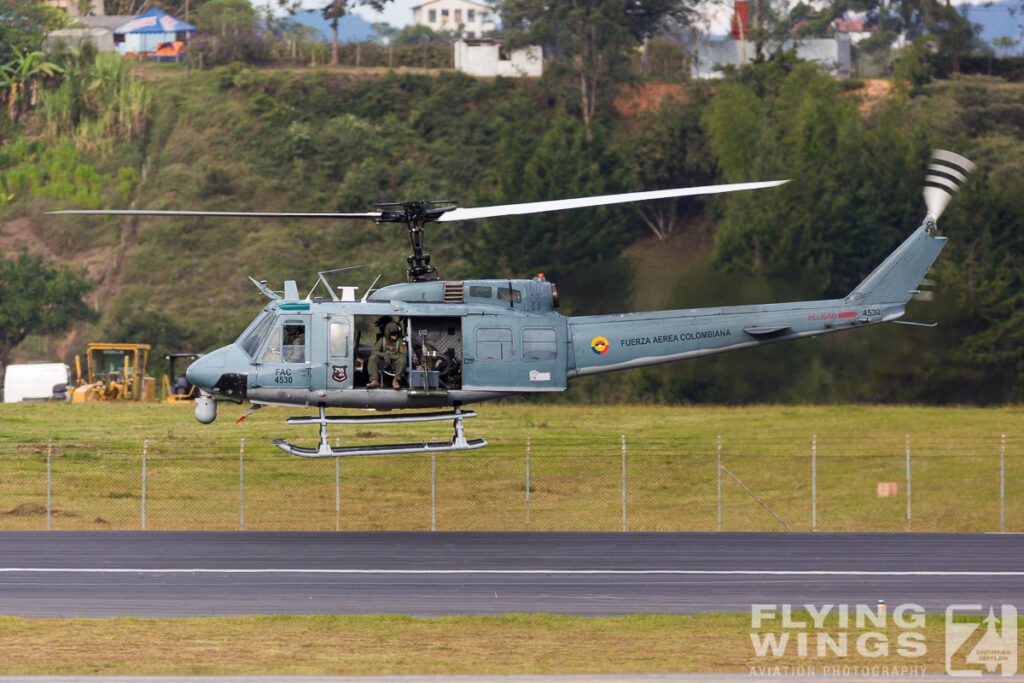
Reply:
x=855, y=195
x=38, y=298
x=594, y=39
x=327, y=140
x=24, y=24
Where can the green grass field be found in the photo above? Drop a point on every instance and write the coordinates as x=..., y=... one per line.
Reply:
x=192, y=482
x=392, y=645
x=193, y=477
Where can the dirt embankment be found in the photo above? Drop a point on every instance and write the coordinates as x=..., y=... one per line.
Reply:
x=875, y=91
x=636, y=99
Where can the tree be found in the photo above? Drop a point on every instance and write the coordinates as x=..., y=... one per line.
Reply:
x=581, y=252
x=24, y=71
x=937, y=22
x=38, y=298
x=332, y=11
x=417, y=34
x=227, y=18
x=24, y=24
x=595, y=38
x=670, y=149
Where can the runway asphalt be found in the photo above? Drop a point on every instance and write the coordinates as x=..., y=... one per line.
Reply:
x=177, y=574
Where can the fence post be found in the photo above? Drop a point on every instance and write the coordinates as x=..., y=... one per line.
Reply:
x=49, y=453
x=433, y=492
x=527, y=483
x=145, y=448
x=623, y=482
x=1002, y=483
x=814, y=482
x=241, y=486
x=908, y=481
x=719, y=482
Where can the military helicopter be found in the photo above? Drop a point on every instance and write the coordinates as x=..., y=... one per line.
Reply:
x=470, y=341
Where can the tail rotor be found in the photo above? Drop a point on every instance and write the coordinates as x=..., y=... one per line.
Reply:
x=946, y=173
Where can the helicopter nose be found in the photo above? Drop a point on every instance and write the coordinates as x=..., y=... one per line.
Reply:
x=205, y=371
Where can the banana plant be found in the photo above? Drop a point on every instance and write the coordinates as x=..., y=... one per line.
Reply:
x=21, y=72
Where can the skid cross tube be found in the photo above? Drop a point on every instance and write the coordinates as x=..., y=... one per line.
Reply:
x=459, y=442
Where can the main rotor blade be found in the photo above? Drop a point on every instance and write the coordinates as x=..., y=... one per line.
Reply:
x=581, y=202
x=215, y=214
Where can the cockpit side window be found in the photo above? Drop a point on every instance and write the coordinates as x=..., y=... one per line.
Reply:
x=252, y=341
x=293, y=341
x=272, y=354
x=287, y=343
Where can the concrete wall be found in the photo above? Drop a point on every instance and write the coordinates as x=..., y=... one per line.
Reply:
x=483, y=59
x=103, y=39
x=831, y=52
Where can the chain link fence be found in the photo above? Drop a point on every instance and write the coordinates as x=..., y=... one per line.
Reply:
x=887, y=482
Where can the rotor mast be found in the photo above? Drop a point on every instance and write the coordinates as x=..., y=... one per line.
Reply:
x=416, y=215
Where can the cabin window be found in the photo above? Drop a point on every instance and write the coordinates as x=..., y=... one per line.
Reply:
x=509, y=294
x=252, y=341
x=458, y=16
x=433, y=16
x=339, y=340
x=494, y=343
x=444, y=15
x=540, y=343
x=471, y=15
x=480, y=292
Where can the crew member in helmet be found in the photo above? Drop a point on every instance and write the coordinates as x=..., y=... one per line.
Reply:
x=391, y=352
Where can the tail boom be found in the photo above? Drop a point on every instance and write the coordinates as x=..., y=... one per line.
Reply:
x=620, y=342
x=607, y=343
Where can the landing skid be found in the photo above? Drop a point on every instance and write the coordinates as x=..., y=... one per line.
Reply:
x=324, y=449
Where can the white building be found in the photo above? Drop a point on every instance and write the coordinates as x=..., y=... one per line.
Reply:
x=486, y=57
x=475, y=18
x=711, y=55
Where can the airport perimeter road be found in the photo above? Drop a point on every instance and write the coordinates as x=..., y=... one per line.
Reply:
x=174, y=574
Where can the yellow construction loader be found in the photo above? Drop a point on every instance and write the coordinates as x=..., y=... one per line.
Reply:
x=114, y=372
x=177, y=388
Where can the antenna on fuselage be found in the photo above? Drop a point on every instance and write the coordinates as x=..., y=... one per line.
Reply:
x=369, y=289
x=327, y=285
x=262, y=286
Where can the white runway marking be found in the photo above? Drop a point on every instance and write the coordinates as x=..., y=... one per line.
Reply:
x=568, y=572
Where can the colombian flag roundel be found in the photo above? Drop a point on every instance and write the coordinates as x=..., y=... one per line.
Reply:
x=599, y=345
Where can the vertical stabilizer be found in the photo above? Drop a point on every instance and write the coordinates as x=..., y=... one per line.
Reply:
x=896, y=280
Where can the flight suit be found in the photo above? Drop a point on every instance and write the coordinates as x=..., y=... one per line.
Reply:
x=388, y=355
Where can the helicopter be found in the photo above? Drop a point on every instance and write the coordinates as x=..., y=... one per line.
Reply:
x=470, y=341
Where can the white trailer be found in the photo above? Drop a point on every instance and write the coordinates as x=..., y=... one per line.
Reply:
x=35, y=381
